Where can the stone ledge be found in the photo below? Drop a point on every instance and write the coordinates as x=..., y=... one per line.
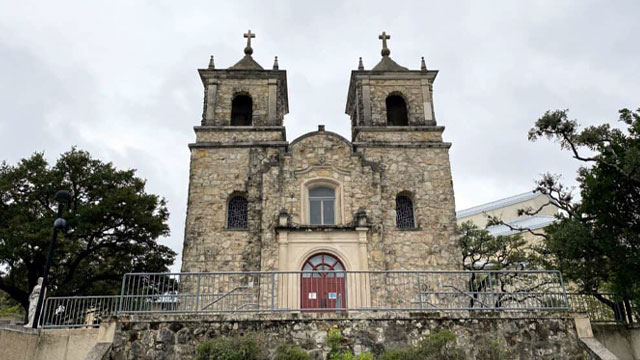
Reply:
x=202, y=145
x=303, y=227
x=238, y=128
x=425, y=144
x=399, y=128
x=371, y=315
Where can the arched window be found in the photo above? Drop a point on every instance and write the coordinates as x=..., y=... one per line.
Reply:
x=322, y=206
x=237, y=213
x=241, y=110
x=396, y=111
x=322, y=262
x=404, y=212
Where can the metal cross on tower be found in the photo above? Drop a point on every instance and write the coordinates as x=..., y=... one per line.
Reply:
x=384, y=37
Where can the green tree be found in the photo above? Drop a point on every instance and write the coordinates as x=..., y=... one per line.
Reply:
x=596, y=240
x=113, y=226
x=483, y=251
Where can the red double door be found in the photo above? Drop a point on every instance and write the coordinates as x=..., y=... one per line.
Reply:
x=322, y=284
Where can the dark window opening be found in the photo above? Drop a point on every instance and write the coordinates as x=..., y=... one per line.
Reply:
x=237, y=213
x=396, y=111
x=241, y=111
x=404, y=212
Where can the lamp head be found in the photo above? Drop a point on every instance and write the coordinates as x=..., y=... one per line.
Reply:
x=60, y=223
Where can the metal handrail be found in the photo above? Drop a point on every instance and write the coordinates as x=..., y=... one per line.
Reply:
x=302, y=291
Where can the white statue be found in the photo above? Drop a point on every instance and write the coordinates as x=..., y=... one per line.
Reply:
x=33, y=302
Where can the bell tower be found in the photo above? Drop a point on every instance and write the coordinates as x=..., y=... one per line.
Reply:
x=241, y=129
x=244, y=94
x=390, y=96
x=394, y=126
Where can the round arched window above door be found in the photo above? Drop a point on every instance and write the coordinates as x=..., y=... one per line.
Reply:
x=323, y=265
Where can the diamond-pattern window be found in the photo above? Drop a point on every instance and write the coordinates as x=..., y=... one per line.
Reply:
x=404, y=212
x=237, y=213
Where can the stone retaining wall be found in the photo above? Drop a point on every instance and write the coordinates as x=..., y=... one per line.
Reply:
x=527, y=335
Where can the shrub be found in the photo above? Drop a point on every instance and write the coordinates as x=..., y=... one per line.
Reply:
x=234, y=348
x=492, y=350
x=399, y=354
x=290, y=352
x=339, y=352
x=440, y=346
x=365, y=356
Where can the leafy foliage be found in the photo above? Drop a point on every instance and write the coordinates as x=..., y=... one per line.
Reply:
x=596, y=240
x=482, y=251
x=9, y=306
x=492, y=350
x=113, y=226
x=290, y=352
x=337, y=349
x=233, y=348
x=438, y=346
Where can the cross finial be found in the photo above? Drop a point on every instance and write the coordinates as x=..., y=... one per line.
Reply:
x=384, y=37
x=249, y=35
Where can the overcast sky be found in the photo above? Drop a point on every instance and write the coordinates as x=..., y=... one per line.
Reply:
x=118, y=78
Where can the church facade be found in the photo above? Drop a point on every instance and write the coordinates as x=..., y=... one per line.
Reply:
x=382, y=200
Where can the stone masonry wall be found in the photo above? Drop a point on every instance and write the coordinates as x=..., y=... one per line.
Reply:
x=258, y=89
x=527, y=336
x=233, y=134
x=216, y=174
x=273, y=180
x=409, y=89
x=320, y=157
x=425, y=174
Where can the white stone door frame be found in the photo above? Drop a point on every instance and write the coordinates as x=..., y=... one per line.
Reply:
x=349, y=246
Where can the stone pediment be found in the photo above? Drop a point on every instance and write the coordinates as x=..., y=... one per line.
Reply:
x=319, y=167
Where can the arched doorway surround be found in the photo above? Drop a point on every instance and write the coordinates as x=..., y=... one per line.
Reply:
x=298, y=246
x=322, y=283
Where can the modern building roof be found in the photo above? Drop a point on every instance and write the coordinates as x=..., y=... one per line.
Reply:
x=496, y=204
x=531, y=223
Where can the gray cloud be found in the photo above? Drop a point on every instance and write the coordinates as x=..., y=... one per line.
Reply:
x=119, y=78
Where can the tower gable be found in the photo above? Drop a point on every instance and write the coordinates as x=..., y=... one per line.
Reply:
x=264, y=90
x=390, y=96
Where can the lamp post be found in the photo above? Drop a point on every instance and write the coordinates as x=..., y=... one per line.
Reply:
x=62, y=197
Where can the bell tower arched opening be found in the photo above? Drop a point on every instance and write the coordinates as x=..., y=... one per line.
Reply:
x=396, y=111
x=241, y=110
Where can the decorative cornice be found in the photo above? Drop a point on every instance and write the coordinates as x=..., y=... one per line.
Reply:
x=416, y=144
x=313, y=167
x=204, y=145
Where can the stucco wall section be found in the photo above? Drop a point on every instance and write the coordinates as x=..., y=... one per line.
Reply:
x=624, y=342
x=510, y=212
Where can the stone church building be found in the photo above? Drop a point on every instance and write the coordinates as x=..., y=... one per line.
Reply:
x=382, y=200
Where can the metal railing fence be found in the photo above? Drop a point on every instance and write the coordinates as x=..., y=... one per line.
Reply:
x=319, y=291
x=342, y=291
x=613, y=311
x=78, y=311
